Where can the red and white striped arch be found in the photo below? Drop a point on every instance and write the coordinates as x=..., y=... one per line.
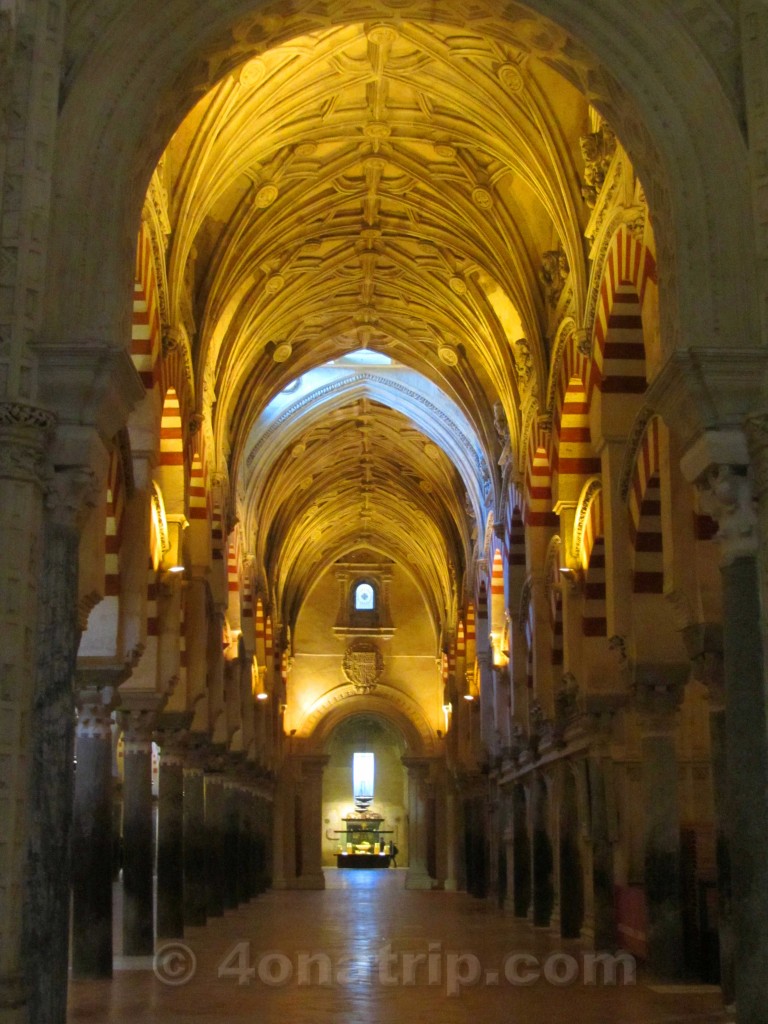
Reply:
x=618, y=344
x=594, y=616
x=146, y=337
x=538, y=480
x=114, y=524
x=645, y=513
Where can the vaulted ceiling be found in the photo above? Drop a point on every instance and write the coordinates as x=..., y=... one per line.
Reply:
x=390, y=187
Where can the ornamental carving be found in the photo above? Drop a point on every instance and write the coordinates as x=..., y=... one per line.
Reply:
x=363, y=665
x=554, y=273
x=597, y=149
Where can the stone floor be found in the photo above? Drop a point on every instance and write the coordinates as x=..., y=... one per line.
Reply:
x=365, y=951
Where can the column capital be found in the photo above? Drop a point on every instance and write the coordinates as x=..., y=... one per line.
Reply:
x=95, y=704
x=657, y=692
x=756, y=430
x=312, y=764
x=704, y=643
x=25, y=433
x=417, y=767
x=137, y=717
x=171, y=732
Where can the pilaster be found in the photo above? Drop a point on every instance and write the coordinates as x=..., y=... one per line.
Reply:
x=312, y=876
x=418, y=776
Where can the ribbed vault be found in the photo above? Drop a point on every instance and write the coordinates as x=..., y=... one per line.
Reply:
x=405, y=187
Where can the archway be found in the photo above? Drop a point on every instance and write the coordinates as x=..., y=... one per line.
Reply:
x=374, y=734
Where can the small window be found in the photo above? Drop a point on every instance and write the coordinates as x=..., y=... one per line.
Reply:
x=364, y=597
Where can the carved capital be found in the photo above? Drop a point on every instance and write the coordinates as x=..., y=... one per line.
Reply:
x=657, y=692
x=171, y=733
x=726, y=496
x=756, y=429
x=70, y=495
x=137, y=718
x=25, y=432
x=95, y=704
x=704, y=643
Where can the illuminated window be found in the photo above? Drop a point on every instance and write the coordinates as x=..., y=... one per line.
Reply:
x=364, y=597
x=362, y=780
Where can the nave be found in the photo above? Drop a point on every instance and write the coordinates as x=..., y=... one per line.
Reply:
x=375, y=939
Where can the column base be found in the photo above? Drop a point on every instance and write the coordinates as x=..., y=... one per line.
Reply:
x=451, y=885
x=309, y=882
x=418, y=880
x=13, y=1001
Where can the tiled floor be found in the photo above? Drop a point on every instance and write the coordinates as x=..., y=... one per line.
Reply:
x=381, y=955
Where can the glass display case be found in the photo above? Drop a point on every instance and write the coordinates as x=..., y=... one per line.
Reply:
x=363, y=843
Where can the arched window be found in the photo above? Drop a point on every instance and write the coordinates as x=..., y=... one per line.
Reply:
x=365, y=599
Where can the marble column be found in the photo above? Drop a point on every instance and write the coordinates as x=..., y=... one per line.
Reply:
x=52, y=726
x=487, y=702
x=231, y=843
x=243, y=843
x=312, y=876
x=603, y=826
x=717, y=464
x=195, y=895
x=542, y=859
x=170, y=735
x=658, y=691
x=417, y=876
x=705, y=645
x=92, y=839
x=138, y=923
x=451, y=838
x=215, y=836
x=502, y=685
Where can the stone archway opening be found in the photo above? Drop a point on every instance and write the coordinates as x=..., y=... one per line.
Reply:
x=373, y=734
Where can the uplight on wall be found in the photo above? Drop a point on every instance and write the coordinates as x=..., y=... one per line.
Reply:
x=362, y=780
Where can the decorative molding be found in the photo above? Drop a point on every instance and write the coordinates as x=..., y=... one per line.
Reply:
x=634, y=443
x=589, y=493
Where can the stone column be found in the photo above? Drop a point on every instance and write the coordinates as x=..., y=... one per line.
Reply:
x=658, y=691
x=418, y=775
x=705, y=645
x=33, y=48
x=138, y=925
x=603, y=832
x=503, y=703
x=717, y=464
x=214, y=838
x=196, y=637
x=487, y=702
x=170, y=736
x=542, y=858
x=231, y=843
x=52, y=726
x=195, y=896
x=312, y=876
x=92, y=839
x=451, y=838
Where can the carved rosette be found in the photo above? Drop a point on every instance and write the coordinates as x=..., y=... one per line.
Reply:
x=363, y=665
